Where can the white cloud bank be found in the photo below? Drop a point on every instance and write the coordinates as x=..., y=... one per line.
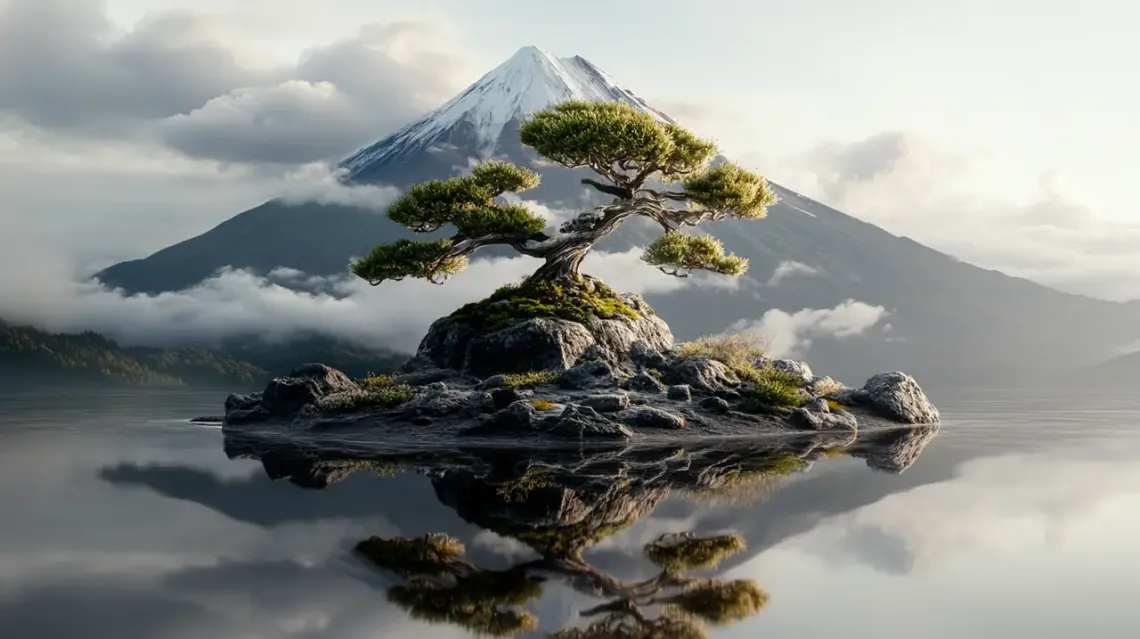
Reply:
x=792, y=334
x=236, y=302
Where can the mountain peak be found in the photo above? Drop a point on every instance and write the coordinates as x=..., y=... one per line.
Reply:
x=530, y=80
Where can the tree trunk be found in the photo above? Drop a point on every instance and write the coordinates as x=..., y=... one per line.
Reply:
x=563, y=265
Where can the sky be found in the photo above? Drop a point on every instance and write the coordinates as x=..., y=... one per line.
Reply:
x=997, y=131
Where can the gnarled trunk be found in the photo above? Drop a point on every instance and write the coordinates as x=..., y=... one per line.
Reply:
x=563, y=264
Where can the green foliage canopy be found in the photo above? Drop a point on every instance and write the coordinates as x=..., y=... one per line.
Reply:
x=629, y=149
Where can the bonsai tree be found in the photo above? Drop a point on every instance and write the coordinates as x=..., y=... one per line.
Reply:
x=633, y=155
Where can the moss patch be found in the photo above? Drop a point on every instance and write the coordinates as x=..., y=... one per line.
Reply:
x=530, y=379
x=682, y=554
x=541, y=404
x=519, y=488
x=835, y=406
x=431, y=554
x=528, y=300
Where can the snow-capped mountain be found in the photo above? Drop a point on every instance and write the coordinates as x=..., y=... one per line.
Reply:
x=530, y=80
x=948, y=320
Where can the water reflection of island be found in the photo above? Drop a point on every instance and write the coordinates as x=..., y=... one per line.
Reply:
x=561, y=502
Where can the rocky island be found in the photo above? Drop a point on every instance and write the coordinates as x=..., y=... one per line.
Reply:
x=561, y=356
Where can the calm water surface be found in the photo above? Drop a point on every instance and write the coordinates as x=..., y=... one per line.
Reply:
x=121, y=520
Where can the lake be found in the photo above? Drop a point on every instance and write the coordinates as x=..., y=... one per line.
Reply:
x=121, y=520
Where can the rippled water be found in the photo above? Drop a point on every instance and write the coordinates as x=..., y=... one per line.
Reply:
x=122, y=520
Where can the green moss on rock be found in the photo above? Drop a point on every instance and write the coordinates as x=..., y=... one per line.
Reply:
x=576, y=303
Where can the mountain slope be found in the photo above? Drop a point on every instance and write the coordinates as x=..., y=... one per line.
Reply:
x=31, y=356
x=949, y=321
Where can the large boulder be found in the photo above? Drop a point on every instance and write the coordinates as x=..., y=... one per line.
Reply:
x=541, y=343
x=705, y=374
x=286, y=396
x=304, y=385
x=797, y=368
x=895, y=396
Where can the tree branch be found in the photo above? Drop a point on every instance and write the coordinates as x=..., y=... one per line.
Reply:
x=624, y=193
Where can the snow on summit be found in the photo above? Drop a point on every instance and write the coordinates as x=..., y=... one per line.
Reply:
x=530, y=80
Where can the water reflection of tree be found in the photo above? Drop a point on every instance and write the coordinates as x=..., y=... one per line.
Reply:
x=560, y=502
x=441, y=586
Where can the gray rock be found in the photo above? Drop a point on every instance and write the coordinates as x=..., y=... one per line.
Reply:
x=796, y=368
x=236, y=401
x=705, y=374
x=680, y=393
x=257, y=413
x=895, y=396
x=644, y=383
x=540, y=343
x=533, y=344
x=583, y=422
x=593, y=353
x=208, y=419
x=650, y=417
x=606, y=403
x=596, y=374
x=617, y=335
x=493, y=382
x=286, y=395
x=644, y=355
x=437, y=399
x=504, y=397
x=444, y=346
x=818, y=405
x=806, y=419
x=714, y=405
x=518, y=418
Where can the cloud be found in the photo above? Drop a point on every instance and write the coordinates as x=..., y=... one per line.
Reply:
x=236, y=302
x=270, y=124
x=320, y=183
x=166, y=65
x=792, y=334
x=1006, y=502
x=175, y=79
x=787, y=269
x=949, y=201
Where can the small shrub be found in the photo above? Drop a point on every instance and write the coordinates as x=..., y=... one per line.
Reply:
x=656, y=374
x=378, y=397
x=531, y=379
x=828, y=386
x=771, y=389
x=734, y=350
x=372, y=382
x=392, y=395
x=541, y=404
x=835, y=406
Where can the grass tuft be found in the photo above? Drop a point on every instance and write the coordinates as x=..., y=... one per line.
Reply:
x=734, y=350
